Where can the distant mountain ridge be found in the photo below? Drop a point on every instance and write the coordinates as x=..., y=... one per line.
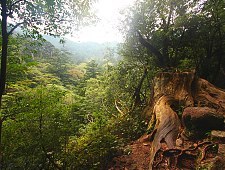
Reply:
x=83, y=51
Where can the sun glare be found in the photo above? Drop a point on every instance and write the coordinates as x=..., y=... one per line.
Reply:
x=106, y=30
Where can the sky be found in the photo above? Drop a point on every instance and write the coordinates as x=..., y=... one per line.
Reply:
x=106, y=30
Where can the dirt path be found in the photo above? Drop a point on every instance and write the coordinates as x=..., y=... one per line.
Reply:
x=136, y=156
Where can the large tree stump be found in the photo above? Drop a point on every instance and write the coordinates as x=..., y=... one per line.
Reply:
x=172, y=93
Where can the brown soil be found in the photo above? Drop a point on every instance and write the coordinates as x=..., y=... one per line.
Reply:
x=135, y=157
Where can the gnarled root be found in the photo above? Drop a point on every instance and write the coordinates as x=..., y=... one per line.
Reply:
x=177, y=158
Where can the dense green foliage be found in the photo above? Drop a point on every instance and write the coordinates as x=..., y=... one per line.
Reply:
x=62, y=115
x=54, y=17
x=180, y=34
x=58, y=113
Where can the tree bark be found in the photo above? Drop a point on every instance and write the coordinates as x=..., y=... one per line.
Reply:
x=167, y=126
x=172, y=93
x=170, y=90
x=4, y=49
x=136, y=95
x=3, y=67
x=151, y=48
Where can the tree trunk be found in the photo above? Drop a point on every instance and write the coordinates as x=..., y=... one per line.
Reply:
x=3, y=66
x=137, y=93
x=172, y=93
x=151, y=48
x=4, y=49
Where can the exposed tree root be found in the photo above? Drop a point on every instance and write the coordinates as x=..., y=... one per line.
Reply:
x=196, y=154
x=172, y=93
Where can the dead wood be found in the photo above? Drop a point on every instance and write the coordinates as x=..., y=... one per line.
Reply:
x=202, y=119
x=180, y=154
x=172, y=93
x=210, y=96
x=167, y=126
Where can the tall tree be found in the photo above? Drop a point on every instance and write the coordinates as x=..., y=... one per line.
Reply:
x=213, y=30
x=53, y=17
x=184, y=34
x=49, y=16
x=175, y=32
x=152, y=25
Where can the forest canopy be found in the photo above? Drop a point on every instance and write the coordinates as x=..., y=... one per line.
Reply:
x=57, y=113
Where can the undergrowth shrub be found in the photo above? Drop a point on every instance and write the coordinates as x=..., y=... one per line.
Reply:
x=98, y=144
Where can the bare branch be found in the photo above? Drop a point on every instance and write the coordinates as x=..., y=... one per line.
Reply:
x=14, y=3
x=119, y=110
x=16, y=26
x=136, y=95
x=152, y=49
x=170, y=15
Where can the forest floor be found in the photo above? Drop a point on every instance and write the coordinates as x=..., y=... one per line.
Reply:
x=136, y=156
